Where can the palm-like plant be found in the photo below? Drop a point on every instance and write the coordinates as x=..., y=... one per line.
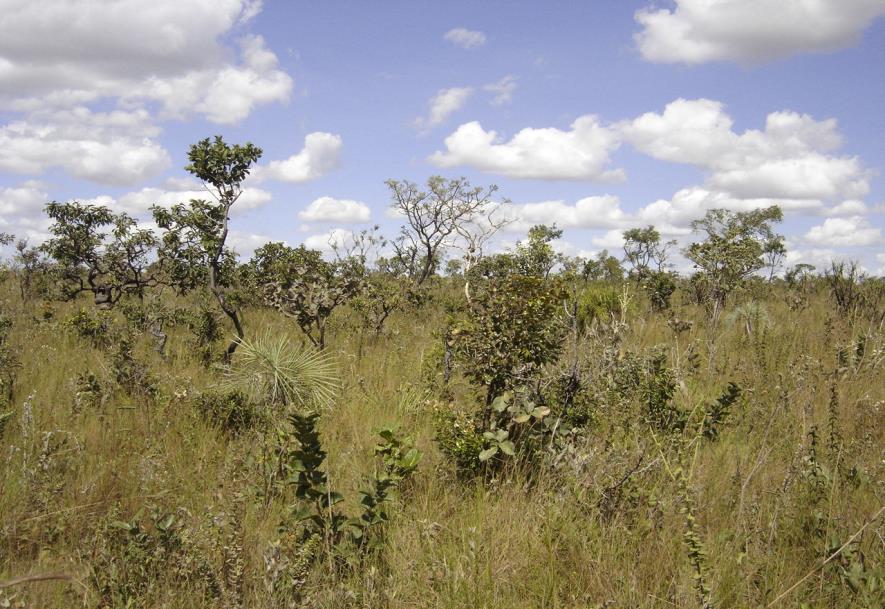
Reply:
x=278, y=373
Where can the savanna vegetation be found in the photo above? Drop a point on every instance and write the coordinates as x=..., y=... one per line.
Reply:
x=414, y=422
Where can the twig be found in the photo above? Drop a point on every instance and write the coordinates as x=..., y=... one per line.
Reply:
x=829, y=558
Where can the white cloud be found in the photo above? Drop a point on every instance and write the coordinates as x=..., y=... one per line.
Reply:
x=139, y=202
x=464, y=38
x=851, y=207
x=750, y=31
x=503, y=90
x=320, y=155
x=674, y=216
x=245, y=244
x=21, y=210
x=786, y=160
x=57, y=53
x=442, y=105
x=323, y=242
x=844, y=232
x=590, y=212
x=581, y=153
x=612, y=240
x=110, y=148
x=328, y=209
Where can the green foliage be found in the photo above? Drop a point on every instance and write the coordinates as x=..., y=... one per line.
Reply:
x=511, y=329
x=231, y=411
x=109, y=265
x=280, y=375
x=733, y=249
x=306, y=288
x=598, y=303
x=137, y=558
x=194, y=243
x=717, y=412
x=90, y=327
x=536, y=256
x=9, y=363
x=130, y=373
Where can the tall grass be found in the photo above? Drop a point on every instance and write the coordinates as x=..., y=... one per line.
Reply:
x=771, y=499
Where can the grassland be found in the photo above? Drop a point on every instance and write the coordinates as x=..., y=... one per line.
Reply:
x=783, y=508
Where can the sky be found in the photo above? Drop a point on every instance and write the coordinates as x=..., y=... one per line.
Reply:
x=595, y=115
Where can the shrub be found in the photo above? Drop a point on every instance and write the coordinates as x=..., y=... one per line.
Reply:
x=231, y=411
x=93, y=328
x=513, y=327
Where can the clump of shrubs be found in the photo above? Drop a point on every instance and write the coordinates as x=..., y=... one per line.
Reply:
x=231, y=411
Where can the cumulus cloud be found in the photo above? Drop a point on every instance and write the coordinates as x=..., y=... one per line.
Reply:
x=502, y=90
x=140, y=201
x=245, y=243
x=320, y=155
x=323, y=242
x=590, y=212
x=673, y=216
x=580, y=153
x=843, y=232
x=750, y=31
x=21, y=210
x=328, y=209
x=464, y=38
x=114, y=148
x=787, y=159
x=851, y=207
x=167, y=51
x=442, y=105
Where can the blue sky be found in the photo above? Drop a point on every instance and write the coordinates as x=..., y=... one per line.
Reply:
x=596, y=115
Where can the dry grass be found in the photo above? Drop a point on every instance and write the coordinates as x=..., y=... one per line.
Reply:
x=546, y=541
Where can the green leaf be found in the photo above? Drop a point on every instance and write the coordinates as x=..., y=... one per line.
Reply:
x=507, y=448
x=488, y=453
x=521, y=418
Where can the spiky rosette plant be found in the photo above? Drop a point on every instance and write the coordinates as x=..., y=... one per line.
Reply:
x=274, y=371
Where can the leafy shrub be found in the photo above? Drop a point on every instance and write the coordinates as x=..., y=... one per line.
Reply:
x=93, y=328
x=599, y=303
x=231, y=411
x=134, y=559
x=132, y=375
x=512, y=328
x=89, y=391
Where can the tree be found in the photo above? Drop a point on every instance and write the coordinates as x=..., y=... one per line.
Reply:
x=774, y=251
x=536, y=256
x=30, y=263
x=303, y=286
x=90, y=259
x=733, y=249
x=195, y=238
x=799, y=274
x=433, y=218
x=642, y=248
x=647, y=256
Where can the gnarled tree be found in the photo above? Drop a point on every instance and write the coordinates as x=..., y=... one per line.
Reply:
x=100, y=252
x=433, y=217
x=303, y=286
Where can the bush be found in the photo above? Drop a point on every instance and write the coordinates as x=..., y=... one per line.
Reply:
x=599, y=303
x=231, y=411
x=93, y=328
